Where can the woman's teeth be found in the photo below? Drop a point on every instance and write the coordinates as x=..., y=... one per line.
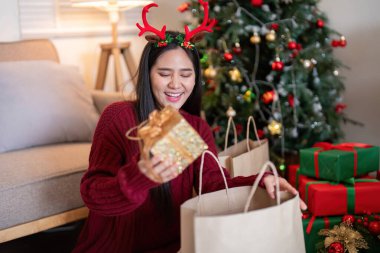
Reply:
x=174, y=95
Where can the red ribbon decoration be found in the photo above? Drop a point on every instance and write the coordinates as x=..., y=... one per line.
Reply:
x=327, y=222
x=311, y=222
x=347, y=146
x=310, y=225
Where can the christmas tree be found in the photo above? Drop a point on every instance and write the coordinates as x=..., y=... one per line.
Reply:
x=272, y=59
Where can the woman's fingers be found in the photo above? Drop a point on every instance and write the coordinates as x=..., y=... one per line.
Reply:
x=166, y=170
x=285, y=186
x=169, y=173
x=270, y=185
x=303, y=205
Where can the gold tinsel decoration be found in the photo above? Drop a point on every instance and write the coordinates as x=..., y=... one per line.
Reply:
x=351, y=239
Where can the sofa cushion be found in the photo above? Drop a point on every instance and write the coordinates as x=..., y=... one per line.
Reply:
x=43, y=102
x=42, y=181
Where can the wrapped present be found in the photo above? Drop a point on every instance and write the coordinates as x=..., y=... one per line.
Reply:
x=311, y=227
x=293, y=174
x=169, y=135
x=325, y=198
x=338, y=162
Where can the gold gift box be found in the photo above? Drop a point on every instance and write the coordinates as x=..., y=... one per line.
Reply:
x=168, y=135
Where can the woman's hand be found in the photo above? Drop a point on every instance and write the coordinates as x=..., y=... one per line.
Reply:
x=270, y=184
x=157, y=170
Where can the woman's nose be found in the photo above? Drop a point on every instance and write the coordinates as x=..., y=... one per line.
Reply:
x=175, y=82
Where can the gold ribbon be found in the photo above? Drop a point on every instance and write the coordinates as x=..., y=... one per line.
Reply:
x=153, y=130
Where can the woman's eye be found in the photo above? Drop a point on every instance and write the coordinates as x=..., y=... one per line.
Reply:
x=186, y=76
x=164, y=74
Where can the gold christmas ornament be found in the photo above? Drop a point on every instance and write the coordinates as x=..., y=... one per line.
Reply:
x=275, y=127
x=271, y=36
x=247, y=96
x=210, y=72
x=231, y=112
x=255, y=38
x=351, y=239
x=235, y=75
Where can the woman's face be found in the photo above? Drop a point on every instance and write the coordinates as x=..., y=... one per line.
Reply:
x=172, y=78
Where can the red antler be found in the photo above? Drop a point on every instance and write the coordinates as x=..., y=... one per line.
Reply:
x=147, y=27
x=204, y=26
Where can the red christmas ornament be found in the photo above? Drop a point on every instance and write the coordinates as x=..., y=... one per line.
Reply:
x=274, y=26
x=342, y=42
x=237, y=50
x=268, y=97
x=216, y=129
x=305, y=215
x=294, y=54
x=374, y=227
x=376, y=217
x=359, y=220
x=292, y=45
x=228, y=56
x=335, y=43
x=365, y=218
x=299, y=46
x=320, y=23
x=336, y=247
x=340, y=107
x=277, y=65
x=239, y=129
x=365, y=224
x=216, y=27
x=291, y=100
x=348, y=218
x=183, y=7
x=257, y=3
x=260, y=133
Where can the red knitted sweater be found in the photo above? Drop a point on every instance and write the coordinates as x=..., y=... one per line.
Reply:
x=123, y=217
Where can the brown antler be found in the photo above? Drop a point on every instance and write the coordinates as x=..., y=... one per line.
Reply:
x=147, y=27
x=203, y=27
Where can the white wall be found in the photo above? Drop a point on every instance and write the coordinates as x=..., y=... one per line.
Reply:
x=9, y=25
x=359, y=21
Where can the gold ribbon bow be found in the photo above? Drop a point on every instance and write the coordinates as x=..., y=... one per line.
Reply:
x=154, y=128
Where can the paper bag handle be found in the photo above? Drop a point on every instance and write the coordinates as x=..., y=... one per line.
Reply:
x=256, y=184
x=201, y=176
x=230, y=121
x=250, y=118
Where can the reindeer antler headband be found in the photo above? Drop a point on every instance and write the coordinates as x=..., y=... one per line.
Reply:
x=162, y=39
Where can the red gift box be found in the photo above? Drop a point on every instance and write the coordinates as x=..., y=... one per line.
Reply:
x=325, y=198
x=292, y=174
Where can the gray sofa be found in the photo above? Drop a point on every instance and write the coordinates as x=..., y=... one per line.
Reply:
x=39, y=185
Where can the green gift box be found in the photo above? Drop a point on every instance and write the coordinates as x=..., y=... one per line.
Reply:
x=338, y=162
x=311, y=227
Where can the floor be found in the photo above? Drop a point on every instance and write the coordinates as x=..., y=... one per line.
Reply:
x=57, y=240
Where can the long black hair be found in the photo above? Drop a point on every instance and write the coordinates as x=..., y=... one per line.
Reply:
x=146, y=102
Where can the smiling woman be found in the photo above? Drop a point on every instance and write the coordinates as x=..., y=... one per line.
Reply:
x=135, y=201
x=172, y=78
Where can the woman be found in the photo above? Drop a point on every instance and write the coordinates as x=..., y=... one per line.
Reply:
x=129, y=210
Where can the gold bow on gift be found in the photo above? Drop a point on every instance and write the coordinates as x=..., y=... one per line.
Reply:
x=154, y=129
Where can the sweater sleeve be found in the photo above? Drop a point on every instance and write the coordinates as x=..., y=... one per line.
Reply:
x=212, y=178
x=113, y=185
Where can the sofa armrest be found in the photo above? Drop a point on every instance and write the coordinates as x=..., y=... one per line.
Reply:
x=103, y=99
